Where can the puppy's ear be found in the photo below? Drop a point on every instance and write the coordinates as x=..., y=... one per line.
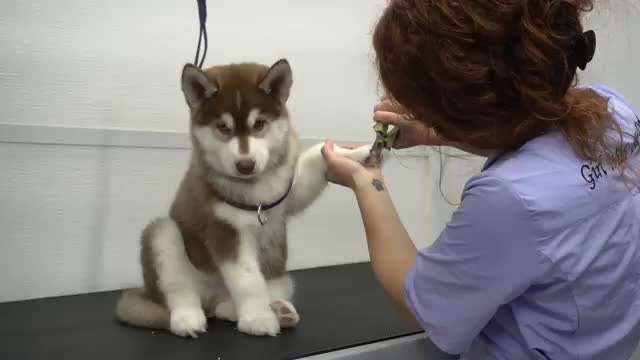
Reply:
x=196, y=86
x=278, y=80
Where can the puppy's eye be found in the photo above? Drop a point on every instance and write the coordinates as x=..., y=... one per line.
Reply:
x=259, y=124
x=223, y=128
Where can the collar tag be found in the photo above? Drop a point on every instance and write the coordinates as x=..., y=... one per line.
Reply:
x=262, y=219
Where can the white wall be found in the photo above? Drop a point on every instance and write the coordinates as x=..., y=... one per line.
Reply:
x=73, y=200
x=116, y=64
x=617, y=58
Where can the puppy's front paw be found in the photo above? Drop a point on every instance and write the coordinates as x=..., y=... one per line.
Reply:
x=188, y=322
x=261, y=321
x=359, y=154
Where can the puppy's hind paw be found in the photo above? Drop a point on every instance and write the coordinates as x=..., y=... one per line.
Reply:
x=226, y=311
x=285, y=312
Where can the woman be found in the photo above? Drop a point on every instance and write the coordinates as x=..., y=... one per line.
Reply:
x=541, y=260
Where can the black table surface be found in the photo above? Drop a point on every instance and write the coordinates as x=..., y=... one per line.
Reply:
x=339, y=306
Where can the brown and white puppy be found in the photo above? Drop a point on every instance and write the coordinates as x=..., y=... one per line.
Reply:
x=222, y=250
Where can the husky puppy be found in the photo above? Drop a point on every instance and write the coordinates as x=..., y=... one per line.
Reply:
x=222, y=250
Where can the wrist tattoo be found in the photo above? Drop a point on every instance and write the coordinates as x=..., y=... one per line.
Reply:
x=377, y=184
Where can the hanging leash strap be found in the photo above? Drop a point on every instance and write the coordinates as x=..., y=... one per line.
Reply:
x=202, y=38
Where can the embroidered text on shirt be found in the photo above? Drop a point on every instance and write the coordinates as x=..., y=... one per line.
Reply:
x=591, y=172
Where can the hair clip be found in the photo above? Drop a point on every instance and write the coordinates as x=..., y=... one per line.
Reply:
x=584, y=48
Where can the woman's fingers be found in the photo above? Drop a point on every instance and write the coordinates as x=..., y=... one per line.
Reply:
x=327, y=150
x=384, y=105
x=391, y=118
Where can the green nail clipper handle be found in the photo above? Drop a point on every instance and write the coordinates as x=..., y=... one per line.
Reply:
x=387, y=136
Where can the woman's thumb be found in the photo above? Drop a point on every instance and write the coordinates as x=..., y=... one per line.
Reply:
x=327, y=150
x=391, y=118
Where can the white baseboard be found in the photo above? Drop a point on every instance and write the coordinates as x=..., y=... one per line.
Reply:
x=65, y=135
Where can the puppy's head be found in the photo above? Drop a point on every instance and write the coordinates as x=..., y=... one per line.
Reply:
x=239, y=118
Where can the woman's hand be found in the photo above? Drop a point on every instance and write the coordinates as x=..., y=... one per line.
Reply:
x=344, y=171
x=412, y=132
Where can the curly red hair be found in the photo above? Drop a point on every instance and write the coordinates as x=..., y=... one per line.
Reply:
x=491, y=74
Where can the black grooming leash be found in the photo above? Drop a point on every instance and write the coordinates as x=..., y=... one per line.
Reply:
x=202, y=15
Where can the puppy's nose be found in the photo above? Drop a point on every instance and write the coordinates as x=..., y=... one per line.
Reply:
x=246, y=167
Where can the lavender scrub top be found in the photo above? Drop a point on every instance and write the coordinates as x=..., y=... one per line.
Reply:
x=542, y=258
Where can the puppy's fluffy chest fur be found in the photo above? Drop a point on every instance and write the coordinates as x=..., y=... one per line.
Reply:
x=212, y=227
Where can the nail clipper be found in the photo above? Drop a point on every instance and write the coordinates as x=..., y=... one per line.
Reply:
x=384, y=141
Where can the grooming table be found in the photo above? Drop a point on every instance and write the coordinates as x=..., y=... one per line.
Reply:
x=345, y=315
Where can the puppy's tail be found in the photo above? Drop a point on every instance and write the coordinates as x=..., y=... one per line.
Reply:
x=136, y=308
